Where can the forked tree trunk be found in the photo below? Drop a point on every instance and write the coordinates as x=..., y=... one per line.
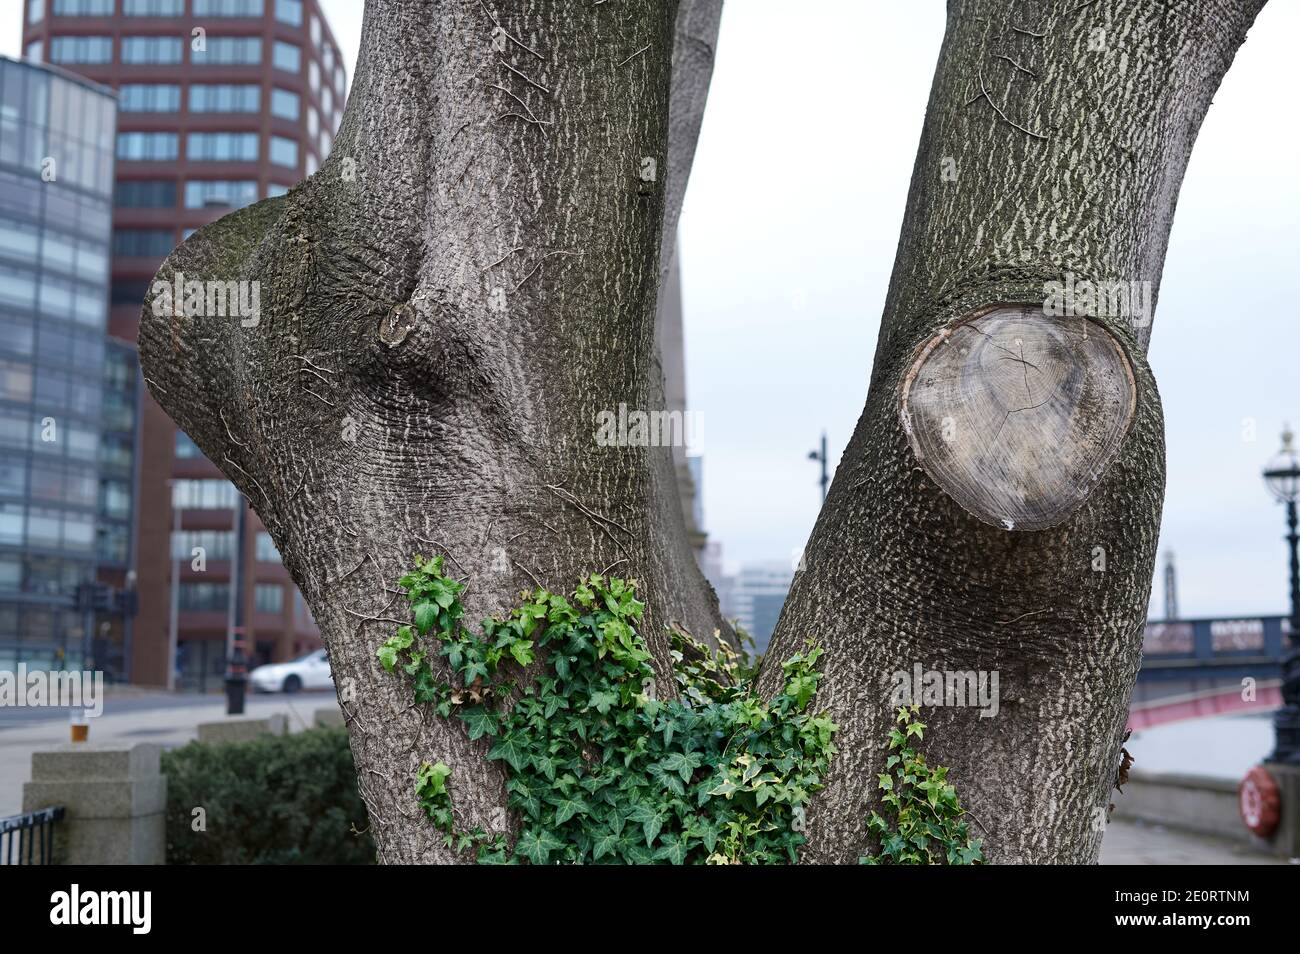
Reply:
x=471, y=277
x=998, y=505
x=446, y=306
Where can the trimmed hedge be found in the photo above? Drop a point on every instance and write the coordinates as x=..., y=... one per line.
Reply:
x=276, y=800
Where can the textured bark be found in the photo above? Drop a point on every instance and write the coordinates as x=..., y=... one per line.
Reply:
x=1067, y=160
x=446, y=306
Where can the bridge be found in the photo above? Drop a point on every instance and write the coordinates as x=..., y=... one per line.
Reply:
x=1195, y=668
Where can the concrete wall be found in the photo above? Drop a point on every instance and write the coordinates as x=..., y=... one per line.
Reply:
x=1192, y=802
x=115, y=798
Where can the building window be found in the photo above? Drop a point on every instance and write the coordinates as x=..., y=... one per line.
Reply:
x=287, y=57
x=315, y=31
x=289, y=11
x=153, y=8
x=225, y=98
x=284, y=104
x=129, y=291
x=143, y=243
x=274, y=189
x=115, y=499
x=149, y=98
x=266, y=551
x=216, y=544
x=327, y=101
x=137, y=146
x=81, y=49
x=220, y=193
x=83, y=8
x=204, y=597
x=35, y=51
x=114, y=543
x=313, y=75
x=152, y=49
x=205, y=494
x=284, y=152
x=186, y=449
x=268, y=598
x=146, y=194
x=35, y=11
x=229, y=51
x=222, y=147
x=327, y=58
x=228, y=8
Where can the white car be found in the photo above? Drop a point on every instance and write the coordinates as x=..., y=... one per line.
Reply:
x=307, y=672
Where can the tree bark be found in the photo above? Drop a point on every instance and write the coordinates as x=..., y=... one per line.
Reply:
x=1022, y=542
x=445, y=308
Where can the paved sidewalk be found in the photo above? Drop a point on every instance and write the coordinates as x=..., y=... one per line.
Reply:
x=1135, y=843
x=170, y=722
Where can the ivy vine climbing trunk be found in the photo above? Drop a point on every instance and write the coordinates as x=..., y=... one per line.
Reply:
x=997, y=508
x=445, y=308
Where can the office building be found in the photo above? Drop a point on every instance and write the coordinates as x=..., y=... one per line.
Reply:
x=60, y=470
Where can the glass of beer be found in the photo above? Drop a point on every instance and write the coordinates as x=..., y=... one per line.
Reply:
x=80, y=725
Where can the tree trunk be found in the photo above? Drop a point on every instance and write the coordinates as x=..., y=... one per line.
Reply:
x=998, y=505
x=445, y=307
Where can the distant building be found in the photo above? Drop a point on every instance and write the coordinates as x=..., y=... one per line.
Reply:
x=755, y=597
x=63, y=478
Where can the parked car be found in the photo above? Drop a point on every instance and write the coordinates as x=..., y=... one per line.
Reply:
x=311, y=671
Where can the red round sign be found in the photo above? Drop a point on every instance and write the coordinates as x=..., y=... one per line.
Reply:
x=1259, y=801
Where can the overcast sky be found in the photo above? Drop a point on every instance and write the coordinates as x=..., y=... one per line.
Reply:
x=788, y=238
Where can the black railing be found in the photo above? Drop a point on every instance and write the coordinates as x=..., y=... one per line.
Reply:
x=33, y=834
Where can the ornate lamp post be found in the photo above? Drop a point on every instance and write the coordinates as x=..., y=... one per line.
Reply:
x=1282, y=477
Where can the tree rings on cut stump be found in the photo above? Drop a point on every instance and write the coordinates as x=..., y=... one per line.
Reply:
x=1016, y=415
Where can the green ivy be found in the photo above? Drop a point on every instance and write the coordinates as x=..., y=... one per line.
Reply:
x=598, y=769
x=925, y=825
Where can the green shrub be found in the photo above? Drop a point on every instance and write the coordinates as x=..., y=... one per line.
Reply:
x=275, y=800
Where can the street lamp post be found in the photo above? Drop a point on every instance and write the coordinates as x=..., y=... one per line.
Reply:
x=1282, y=477
x=820, y=456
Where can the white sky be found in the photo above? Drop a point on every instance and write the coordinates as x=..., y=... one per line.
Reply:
x=788, y=238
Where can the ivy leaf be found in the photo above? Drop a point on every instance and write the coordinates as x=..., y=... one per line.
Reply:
x=652, y=822
x=683, y=763
x=480, y=721
x=604, y=844
x=601, y=701
x=726, y=788
x=673, y=850
x=426, y=614
x=522, y=651
x=444, y=591
x=511, y=748
x=431, y=780
x=537, y=843
x=569, y=806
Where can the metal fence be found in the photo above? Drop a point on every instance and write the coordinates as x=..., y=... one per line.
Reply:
x=29, y=839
